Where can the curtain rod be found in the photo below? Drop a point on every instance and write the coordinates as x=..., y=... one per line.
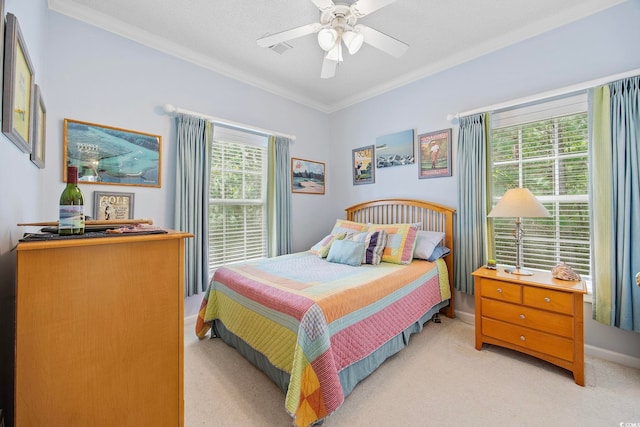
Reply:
x=550, y=94
x=170, y=109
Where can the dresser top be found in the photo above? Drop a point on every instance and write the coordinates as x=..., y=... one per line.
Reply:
x=539, y=278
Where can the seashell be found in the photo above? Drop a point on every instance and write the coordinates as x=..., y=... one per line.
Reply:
x=563, y=272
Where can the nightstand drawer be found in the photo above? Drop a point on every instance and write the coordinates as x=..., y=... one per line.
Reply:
x=501, y=291
x=528, y=338
x=558, y=324
x=561, y=302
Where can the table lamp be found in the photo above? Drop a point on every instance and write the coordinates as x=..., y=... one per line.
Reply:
x=519, y=203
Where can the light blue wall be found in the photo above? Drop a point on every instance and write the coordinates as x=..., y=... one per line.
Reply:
x=91, y=75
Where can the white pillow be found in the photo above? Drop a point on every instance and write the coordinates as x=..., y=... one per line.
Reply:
x=426, y=242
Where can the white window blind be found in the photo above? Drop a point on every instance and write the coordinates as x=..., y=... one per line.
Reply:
x=237, y=197
x=543, y=147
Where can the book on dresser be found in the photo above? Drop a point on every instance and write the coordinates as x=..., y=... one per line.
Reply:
x=538, y=315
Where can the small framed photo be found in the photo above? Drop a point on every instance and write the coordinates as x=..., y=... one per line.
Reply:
x=396, y=149
x=112, y=206
x=362, y=165
x=39, y=129
x=434, y=150
x=110, y=155
x=307, y=176
x=17, y=88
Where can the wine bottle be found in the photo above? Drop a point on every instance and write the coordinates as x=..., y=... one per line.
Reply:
x=71, y=219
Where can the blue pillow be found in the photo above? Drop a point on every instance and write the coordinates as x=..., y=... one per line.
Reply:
x=438, y=252
x=346, y=252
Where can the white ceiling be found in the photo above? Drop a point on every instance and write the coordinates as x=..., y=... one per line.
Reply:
x=221, y=35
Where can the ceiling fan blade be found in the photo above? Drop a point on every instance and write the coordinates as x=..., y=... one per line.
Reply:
x=283, y=36
x=324, y=5
x=364, y=7
x=385, y=43
x=328, y=68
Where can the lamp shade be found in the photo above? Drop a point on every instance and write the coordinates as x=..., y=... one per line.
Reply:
x=518, y=202
x=353, y=41
x=327, y=38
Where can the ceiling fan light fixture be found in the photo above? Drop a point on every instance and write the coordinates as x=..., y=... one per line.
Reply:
x=327, y=38
x=353, y=41
x=335, y=54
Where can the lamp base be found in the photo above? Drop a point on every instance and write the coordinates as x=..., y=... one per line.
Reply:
x=519, y=271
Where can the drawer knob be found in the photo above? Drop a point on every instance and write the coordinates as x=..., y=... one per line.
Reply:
x=547, y=299
x=522, y=338
x=499, y=290
x=522, y=316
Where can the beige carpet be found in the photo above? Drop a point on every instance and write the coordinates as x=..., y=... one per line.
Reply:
x=438, y=380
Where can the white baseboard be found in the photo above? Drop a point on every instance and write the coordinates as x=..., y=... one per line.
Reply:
x=612, y=356
x=590, y=350
x=191, y=319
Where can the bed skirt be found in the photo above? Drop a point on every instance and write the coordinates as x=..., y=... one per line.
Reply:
x=350, y=376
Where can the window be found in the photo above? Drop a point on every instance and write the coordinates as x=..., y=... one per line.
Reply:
x=237, y=197
x=543, y=147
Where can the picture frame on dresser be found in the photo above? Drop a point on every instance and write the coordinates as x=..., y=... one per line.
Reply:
x=109, y=205
x=17, y=87
x=39, y=129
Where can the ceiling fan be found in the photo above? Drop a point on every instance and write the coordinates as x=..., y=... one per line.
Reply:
x=338, y=26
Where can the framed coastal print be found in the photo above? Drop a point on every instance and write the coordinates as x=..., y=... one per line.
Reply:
x=17, y=87
x=39, y=129
x=110, y=155
x=434, y=150
x=362, y=165
x=112, y=206
x=307, y=176
x=396, y=149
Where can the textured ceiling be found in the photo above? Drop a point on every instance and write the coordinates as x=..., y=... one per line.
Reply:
x=221, y=35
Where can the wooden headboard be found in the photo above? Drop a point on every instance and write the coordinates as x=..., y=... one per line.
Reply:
x=432, y=216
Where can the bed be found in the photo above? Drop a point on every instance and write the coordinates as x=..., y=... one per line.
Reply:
x=318, y=322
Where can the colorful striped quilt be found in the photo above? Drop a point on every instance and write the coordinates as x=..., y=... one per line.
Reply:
x=312, y=318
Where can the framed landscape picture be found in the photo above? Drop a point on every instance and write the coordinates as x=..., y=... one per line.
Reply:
x=307, y=176
x=110, y=155
x=434, y=150
x=362, y=165
x=396, y=149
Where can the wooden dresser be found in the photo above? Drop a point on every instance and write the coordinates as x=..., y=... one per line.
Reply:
x=537, y=315
x=99, y=331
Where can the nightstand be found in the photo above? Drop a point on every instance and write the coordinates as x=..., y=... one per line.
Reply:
x=537, y=315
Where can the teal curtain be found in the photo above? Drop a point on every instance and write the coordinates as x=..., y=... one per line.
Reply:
x=193, y=163
x=471, y=218
x=279, y=197
x=625, y=137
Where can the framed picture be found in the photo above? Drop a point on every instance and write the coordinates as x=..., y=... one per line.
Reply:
x=435, y=154
x=307, y=176
x=362, y=165
x=110, y=155
x=39, y=129
x=112, y=206
x=396, y=149
x=17, y=88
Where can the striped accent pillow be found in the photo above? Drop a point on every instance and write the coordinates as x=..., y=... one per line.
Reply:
x=374, y=243
x=401, y=241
